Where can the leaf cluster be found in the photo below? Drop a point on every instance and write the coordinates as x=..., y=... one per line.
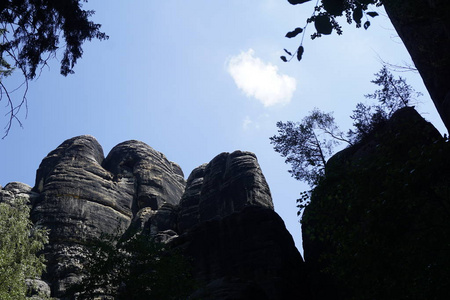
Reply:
x=325, y=16
x=136, y=268
x=20, y=243
x=307, y=145
x=392, y=95
x=32, y=32
x=34, y=28
x=304, y=145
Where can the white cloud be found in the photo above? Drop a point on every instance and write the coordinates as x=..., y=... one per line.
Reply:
x=255, y=123
x=247, y=122
x=261, y=80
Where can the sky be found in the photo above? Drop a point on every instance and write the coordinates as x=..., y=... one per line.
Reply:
x=196, y=78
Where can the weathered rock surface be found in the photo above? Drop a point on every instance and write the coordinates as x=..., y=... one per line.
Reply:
x=15, y=190
x=222, y=218
x=245, y=255
x=154, y=179
x=83, y=195
x=228, y=184
x=239, y=245
x=38, y=289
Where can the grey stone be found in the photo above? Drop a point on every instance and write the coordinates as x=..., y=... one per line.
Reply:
x=228, y=184
x=83, y=196
x=252, y=246
x=37, y=289
x=15, y=190
x=18, y=188
x=189, y=210
x=156, y=180
x=222, y=217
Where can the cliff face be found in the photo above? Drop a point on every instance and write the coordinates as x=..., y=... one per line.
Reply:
x=241, y=247
x=378, y=224
x=222, y=218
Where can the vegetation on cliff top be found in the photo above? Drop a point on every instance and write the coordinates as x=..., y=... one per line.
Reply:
x=376, y=223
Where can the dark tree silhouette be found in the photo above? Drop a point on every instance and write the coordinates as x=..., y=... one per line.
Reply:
x=307, y=145
x=31, y=33
x=133, y=268
x=422, y=25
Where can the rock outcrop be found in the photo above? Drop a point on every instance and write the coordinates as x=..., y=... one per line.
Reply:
x=230, y=182
x=239, y=245
x=82, y=195
x=245, y=255
x=222, y=218
x=378, y=224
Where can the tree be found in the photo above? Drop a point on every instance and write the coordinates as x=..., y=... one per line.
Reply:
x=135, y=268
x=31, y=32
x=307, y=145
x=393, y=95
x=422, y=25
x=304, y=145
x=20, y=243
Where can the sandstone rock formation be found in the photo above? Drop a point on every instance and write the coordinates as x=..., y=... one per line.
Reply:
x=226, y=185
x=240, y=246
x=245, y=255
x=222, y=218
x=82, y=195
x=378, y=224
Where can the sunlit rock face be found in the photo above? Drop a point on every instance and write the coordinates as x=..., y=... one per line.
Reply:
x=222, y=218
x=228, y=184
x=14, y=190
x=83, y=195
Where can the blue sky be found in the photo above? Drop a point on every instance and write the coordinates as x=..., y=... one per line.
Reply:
x=196, y=78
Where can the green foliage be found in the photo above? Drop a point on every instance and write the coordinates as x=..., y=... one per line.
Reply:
x=307, y=145
x=20, y=243
x=392, y=95
x=304, y=146
x=31, y=33
x=31, y=30
x=5, y=68
x=136, y=268
x=325, y=16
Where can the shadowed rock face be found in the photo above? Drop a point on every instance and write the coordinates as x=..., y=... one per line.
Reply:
x=222, y=218
x=239, y=246
x=390, y=225
x=245, y=255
